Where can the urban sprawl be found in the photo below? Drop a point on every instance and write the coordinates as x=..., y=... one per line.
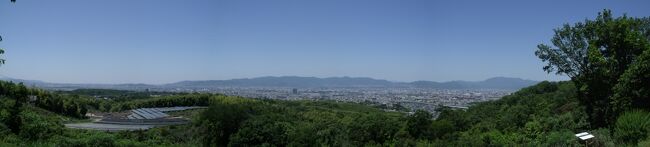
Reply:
x=412, y=98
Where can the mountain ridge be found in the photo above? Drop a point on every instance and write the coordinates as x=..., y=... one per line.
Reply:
x=297, y=82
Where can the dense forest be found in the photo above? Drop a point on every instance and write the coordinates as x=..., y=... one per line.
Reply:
x=116, y=95
x=607, y=59
x=237, y=121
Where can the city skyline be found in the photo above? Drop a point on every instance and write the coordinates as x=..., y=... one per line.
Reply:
x=156, y=42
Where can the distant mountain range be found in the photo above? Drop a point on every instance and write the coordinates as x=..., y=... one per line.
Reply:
x=288, y=81
x=297, y=82
x=491, y=83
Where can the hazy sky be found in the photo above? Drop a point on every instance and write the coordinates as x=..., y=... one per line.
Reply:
x=162, y=41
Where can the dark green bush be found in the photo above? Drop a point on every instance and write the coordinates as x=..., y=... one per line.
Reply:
x=632, y=126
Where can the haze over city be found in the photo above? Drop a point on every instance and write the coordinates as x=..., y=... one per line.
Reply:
x=156, y=42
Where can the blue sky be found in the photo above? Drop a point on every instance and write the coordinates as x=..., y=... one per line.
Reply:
x=163, y=41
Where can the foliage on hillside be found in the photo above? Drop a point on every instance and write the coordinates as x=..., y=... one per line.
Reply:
x=117, y=95
x=607, y=58
x=69, y=105
x=547, y=114
x=233, y=119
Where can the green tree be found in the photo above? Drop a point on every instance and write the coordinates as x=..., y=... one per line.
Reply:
x=37, y=127
x=219, y=121
x=458, y=118
x=633, y=89
x=262, y=131
x=15, y=120
x=419, y=124
x=374, y=127
x=2, y=51
x=440, y=128
x=594, y=54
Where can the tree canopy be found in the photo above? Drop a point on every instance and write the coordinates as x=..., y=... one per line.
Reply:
x=599, y=55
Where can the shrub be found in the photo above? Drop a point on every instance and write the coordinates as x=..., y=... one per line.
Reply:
x=632, y=126
x=36, y=127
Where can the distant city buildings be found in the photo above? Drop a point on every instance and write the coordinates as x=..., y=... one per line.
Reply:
x=412, y=98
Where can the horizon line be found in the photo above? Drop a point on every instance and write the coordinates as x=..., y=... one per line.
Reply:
x=3, y=77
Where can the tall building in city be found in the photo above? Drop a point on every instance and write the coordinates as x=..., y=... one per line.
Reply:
x=294, y=91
